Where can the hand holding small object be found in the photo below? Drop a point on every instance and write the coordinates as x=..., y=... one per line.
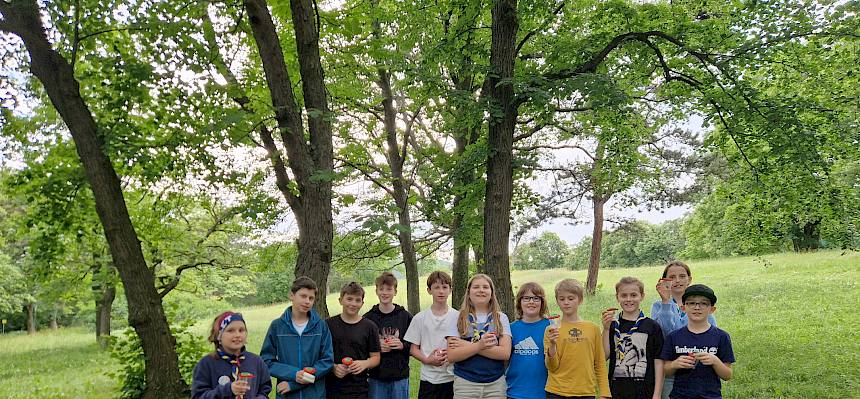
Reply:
x=708, y=359
x=608, y=316
x=340, y=370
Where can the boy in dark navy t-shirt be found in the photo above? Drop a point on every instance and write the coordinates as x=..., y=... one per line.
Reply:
x=699, y=355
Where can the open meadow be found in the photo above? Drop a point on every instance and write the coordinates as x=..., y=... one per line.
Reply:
x=790, y=317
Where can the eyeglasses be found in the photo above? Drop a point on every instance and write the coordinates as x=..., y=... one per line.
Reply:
x=532, y=299
x=699, y=305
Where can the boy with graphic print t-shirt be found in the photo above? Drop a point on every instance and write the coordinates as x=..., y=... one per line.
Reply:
x=632, y=343
x=699, y=355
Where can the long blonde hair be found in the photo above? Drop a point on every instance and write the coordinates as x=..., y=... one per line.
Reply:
x=468, y=308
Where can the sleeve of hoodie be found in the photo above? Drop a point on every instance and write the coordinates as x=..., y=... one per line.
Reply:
x=269, y=354
x=666, y=316
x=201, y=387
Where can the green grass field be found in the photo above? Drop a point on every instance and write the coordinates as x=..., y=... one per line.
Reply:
x=790, y=317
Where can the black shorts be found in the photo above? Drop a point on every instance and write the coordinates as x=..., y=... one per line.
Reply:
x=427, y=390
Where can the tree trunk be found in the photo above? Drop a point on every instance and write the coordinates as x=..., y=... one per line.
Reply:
x=806, y=238
x=55, y=315
x=499, y=191
x=146, y=314
x=467, y=129
x=597, y=203
x=104, y=293
x=103, y=315
x=30, y=309
x=478, y=254
x=463, y=218
x=311, y=161
x=460, y=269
x=399, y=190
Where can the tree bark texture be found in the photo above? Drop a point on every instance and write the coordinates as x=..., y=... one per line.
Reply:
x=597, y=202
x=146, y=314
x=459, y=271
x=503, y=116
x=478, y=254
x=104, y=293
x=311, y=161
x=30, y=310
x=104, y=304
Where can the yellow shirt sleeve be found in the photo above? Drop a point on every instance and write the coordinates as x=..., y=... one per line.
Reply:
x=550, y=362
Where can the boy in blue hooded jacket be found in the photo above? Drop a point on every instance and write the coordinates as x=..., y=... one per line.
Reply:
x=299, y=343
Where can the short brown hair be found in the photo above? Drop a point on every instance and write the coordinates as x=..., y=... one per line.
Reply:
x=352, y=288
x=676, y=263
x=438, y=277
x=386, y=278
x=571, y=286
x=303, y=282
x=630, y=280
x=536, y=289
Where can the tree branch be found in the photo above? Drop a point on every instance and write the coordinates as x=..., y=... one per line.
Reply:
x=175, y=280
x=529, y=133
x=542, y=27
x=76, y=39
x=103, y=31
x=367, y=174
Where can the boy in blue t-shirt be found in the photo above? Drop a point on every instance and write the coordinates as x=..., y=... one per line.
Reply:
x=526, y=373
x=699, y=355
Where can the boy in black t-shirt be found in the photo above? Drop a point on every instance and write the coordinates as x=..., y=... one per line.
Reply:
x=356, y=347
x=632, y=343
x=391, y=379
x=700, y=354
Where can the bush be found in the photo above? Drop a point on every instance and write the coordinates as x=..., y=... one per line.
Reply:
x=132, y=372
x=273, y=287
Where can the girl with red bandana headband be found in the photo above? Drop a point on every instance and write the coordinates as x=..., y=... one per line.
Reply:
x=230, y=371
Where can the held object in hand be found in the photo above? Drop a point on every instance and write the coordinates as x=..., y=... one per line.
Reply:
x=308, y=375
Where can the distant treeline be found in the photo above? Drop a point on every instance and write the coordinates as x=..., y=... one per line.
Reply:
x=640, y=243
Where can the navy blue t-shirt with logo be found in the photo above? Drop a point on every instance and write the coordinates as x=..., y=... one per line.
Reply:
x=701, y=382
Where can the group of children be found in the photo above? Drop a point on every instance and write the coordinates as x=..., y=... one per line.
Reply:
x=477, y=352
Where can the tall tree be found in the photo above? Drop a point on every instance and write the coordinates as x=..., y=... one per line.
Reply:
x=453, y=69
x=369, y=73
x=146, y=315
x=503, y=111
x=311, y=159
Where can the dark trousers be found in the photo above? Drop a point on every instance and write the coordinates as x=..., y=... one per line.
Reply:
x=427, y=390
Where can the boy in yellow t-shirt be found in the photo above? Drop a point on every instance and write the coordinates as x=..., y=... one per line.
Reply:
x=574, y=352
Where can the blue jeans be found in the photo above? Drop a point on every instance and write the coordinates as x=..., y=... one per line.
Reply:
x=668, y=382
x=388, y=389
